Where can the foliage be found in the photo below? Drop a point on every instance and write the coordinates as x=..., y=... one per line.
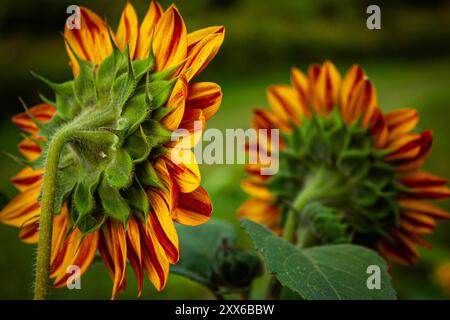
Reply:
x=209, y=256
x=322, y=272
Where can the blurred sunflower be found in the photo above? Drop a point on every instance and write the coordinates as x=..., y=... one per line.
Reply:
x=347, y=172
x=118, y=191
x=442, y=276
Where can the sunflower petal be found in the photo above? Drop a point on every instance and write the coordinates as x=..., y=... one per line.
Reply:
x=266, y=119
x=425, y=207
x=412, y=164
x=27, y=177
x=195, y=37
x=259, y=211
x=170, y=41
x=284, y=103
x=194, y=123
x=206, y=96
x=301, y=85
x=146, y=30
x=134, y=251
x=396, y=253
x=429, y=192
x=154, y=258
x=41, y=112
x=193, y=208
x=422, y=179
x=163, y=227
x=417, y=222
x=91, y=42
x=170, y=190
x=29, y=232
x=80, y=252
x=327, y=88
x=113, y=251
x=401, y=121
x=22, y=208
x=177, y=104
x=353, y=77
x=30, y=149
x=407, y=146
x=379, y=129
x=127, y=32
x=256, y=188
x=184, y=170
x=202, y=53
x=361, y=102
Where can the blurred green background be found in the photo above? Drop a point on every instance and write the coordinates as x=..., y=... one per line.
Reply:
x=408, y=60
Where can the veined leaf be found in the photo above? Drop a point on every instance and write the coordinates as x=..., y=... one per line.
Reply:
x=324, y=272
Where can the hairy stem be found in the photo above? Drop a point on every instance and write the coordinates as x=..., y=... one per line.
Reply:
x=47, y=211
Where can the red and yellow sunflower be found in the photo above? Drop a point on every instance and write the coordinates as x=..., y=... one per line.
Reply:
x=338, y=149
x=133, y=220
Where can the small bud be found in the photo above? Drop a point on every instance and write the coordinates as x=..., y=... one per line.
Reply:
x=234, y=267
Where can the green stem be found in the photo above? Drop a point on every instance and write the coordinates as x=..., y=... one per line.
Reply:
x=312, y=189
x=47, y=211
x=291, y=225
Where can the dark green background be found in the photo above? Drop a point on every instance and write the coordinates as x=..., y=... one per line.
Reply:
x=408, y=60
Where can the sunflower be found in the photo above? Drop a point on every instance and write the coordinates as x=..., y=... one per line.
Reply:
x=442, y=276
x=347, y=171
x=119, y=191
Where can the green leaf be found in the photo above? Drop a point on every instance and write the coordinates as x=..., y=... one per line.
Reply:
x=160, y=92
x=105, y=75
x=123, y=87
x=198, y=249
x=156, y=133
x=113, y=203
x=119, y=169
x=325, y=272
x=148, y=176
x=84, y=85
x=166, y=73
x=66, y=103
x=137, y=146
x=137, y=198
x=91, y=223
x=135, y=112
x=141, y=67
x=160, y=113
x=65, y=182
x=83, y=197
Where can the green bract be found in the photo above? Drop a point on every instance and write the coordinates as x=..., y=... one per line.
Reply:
x=337, y=165
x=110, y=114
